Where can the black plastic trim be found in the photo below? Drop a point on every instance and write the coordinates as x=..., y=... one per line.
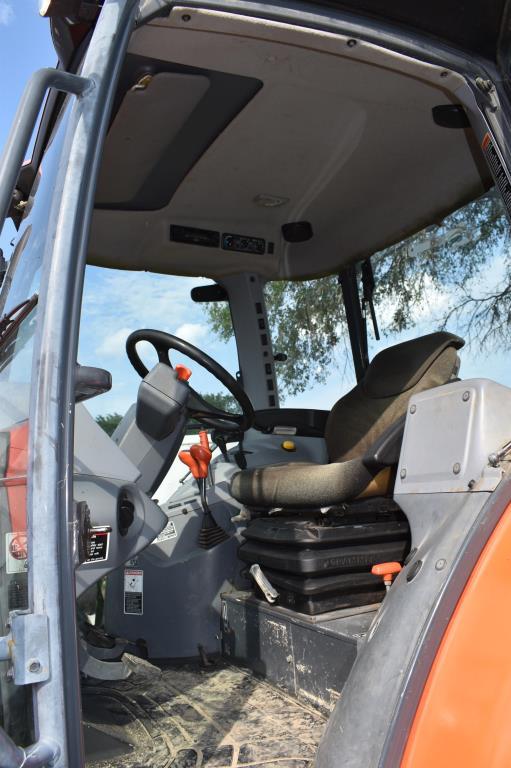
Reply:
x=307, y=421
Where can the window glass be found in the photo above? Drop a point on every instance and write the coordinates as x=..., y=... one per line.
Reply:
x=19, y=310
x=454, y=275
x=308, y=325
x=115, y=303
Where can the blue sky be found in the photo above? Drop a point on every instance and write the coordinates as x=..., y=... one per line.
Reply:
x=116, y=303
x=25, y=45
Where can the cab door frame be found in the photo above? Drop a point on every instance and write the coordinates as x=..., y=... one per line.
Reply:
x=51, y=524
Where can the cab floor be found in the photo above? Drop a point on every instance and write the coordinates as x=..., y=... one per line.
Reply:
x=188, y=717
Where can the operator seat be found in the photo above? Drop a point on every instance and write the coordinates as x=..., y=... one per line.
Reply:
x=355, y=428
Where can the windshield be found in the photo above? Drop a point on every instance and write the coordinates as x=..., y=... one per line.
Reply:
x=115, y=304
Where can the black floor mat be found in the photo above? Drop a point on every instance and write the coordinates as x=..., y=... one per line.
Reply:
x=185, y=717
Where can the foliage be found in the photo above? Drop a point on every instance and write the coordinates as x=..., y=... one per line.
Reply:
x=222, y=401
x=109, y=422
x=450, y=260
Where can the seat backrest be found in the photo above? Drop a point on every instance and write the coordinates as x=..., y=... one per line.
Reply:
x=381, y=397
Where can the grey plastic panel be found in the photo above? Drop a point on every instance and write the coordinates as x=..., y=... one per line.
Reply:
x=449, y=433
x=96, y=453
x=181, y=586
x=441, y=522
x=457, y=424
x=161, y=401
x=265, y=449
x=101, y=495
x=102, y=470
x=152, y=457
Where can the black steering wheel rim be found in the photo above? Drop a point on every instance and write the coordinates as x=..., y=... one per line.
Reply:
x=198, y=408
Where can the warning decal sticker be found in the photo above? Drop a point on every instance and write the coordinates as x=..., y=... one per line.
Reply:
x=16, y=554
x=133, y=591
x=169, y=532
x=97, y=546
x=498, y=171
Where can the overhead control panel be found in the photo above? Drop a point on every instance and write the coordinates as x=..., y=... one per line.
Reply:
x=209, y=238
x=243, y=244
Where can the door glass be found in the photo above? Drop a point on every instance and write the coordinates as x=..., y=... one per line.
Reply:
x=19, y=312
x=453, y=275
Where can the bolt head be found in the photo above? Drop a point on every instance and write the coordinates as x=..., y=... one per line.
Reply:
x=413, y=408
x=34, y=667
x=465, y=396
x=440, y=564
x=402, y=474
x=456, y=468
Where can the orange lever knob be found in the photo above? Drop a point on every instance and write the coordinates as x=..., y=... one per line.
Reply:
x=203, y=457
x=387, y=571
x=203, y=437
x=192, y=465
x=183, y=373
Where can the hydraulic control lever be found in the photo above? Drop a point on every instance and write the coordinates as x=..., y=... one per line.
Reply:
x=198, y=459
x=387, y=572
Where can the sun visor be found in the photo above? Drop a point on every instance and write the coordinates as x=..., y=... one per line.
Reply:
x=163, y=124
x=149, y=119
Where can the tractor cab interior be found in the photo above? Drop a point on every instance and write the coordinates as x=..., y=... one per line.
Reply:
x=262, y=153
x=269, y=599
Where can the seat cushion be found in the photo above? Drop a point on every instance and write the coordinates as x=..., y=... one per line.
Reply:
x=301, y=484
x=356, y=421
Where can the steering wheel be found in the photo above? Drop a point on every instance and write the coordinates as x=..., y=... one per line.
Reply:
x=198, y=408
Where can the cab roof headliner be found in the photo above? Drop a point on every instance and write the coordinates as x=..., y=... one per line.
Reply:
x=237, y=109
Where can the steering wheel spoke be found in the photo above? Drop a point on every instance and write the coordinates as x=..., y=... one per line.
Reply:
x=198, y=408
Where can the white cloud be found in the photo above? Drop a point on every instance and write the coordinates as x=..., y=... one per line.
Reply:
x=6, y=13
x=192, y=332
x=114, y=345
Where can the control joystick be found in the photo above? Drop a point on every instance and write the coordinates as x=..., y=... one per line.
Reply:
x=198, y=459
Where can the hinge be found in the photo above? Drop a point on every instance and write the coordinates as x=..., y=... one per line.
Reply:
x=27, y=647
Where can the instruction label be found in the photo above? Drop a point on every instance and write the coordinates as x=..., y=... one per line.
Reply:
x=169, y=532
x=498, y=170
x=133, y=591
x=16, y=552
x=97, y=546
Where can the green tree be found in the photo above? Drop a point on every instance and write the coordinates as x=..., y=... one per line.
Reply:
x=109, y=422
x=221, y=400
x=307, y=317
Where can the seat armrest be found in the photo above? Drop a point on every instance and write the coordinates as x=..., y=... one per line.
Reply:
x=385, y=451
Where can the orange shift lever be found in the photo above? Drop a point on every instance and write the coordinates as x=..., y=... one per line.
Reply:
x=387, y=571
x=190, y=462
x=198, y=457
